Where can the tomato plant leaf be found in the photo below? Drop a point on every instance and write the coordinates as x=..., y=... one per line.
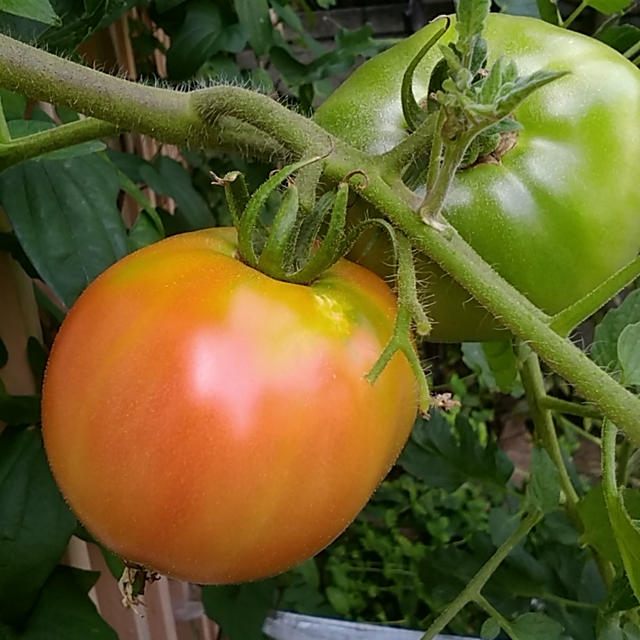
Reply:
x=604, y=349
x=534, y=626
x=65, y=214
x=240, y=609
x=435, y=455
x=78, y=21
x=621, y=37
x=609, y=6
x=13, y=104
x=170, y=178
x=37, y=356
x=19, y=409
x=496, y=364
x=254, y=17
x=35, y=522
x=544, y=485
x=549, y=11
x=625, y=529
x=621, y=596
x=490, y=629
x=629, y=353
x=196, y=40
x=38, y=10
x=64, y=609
x=598, y=532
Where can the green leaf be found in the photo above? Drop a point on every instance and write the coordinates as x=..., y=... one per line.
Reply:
x=79, y=21
x=19, y=410
x=604, y=350
x=495, y=362
x=534, y=626
x=66, y=216
x=598, y=532
x=4, y=354
x=37, y=356
x=165, y=5
x=35, y=522
x=519, y=7
x=170, y=178
x=544, y=485
x=625, y=529
x=240, y=609
x=609, y=6
x=39, y=10
x=254, y=17
x=490, y=629
x=435, y=455
x=64, y=610
x=196, y=40
x=621, y=37
x=629, y=354
x=621, y=596
x=13, y=104
x=549, y=11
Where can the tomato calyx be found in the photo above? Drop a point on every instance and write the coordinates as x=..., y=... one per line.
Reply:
x=296, y=246
x=466, y=117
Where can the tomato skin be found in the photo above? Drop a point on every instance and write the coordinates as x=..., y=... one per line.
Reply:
x=214, y=424
x=561, y=212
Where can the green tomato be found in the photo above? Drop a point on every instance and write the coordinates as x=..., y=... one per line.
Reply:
x=561, y=211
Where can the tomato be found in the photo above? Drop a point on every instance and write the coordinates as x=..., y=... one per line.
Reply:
x=561, y=212
x=214, y=424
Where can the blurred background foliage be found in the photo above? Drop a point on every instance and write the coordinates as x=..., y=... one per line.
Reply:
x=460, y=485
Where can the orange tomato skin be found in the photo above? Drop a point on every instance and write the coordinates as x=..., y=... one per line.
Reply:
x=214, y=424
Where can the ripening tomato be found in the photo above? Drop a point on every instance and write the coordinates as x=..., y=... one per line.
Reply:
x=214, y=424
x=560, y=212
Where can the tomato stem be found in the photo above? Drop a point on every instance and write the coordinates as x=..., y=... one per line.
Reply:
x=409, y=309
x=482, y=602
x=472, y=591
x=580, y=310
x=576, y=12
x=571, y=408
x=36, y=144
x=545, y=429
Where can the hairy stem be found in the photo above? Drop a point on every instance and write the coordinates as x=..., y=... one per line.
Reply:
x=474, y=587
x=576, y=12
x=497, y=616
x=66, y=135
x=580, y=310
x=533, y=383
x=570, y=408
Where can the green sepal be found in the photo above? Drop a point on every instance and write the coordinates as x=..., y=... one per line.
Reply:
x=281, y=234
x=333, y=244
x=413, y=113
x=249, y=218
x=310, y=227
x=236, y=194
